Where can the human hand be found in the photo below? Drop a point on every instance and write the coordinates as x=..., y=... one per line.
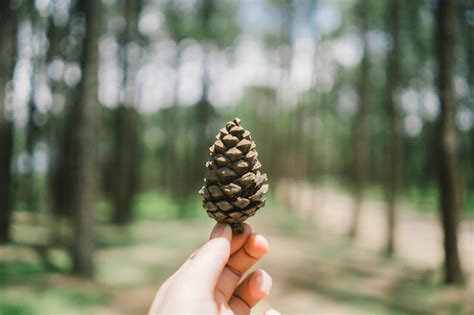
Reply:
x=208, y=281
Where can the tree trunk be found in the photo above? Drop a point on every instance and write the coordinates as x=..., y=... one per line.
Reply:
x=126, y=125
x=174, y=153
x=204, y=115
x=204, y=109
x=86, y=145
x=31, y=126
x=31, y=132
x=126, y=163
x=360, y=139
x=394, y=131
x=203, y=139
x=6, y=143
x=449, y=176
x=7, y=66
x=55, y=132
x=467, y=29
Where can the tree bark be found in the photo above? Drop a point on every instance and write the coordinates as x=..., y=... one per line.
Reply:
x=55, y=132
x=7, y=65
x=86, y=139
x=204, y=109
x=31, y=135
x=467, y=29
x=126, y=163
x=173, y=154
x=448, y=168
x=32, y=129
x=360, y=140
x=394, y=130
x=126, y=125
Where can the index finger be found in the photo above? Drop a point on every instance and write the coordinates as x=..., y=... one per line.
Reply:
x=206, y=266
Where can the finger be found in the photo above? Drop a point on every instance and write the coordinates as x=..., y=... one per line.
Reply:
x=206, y=266
x=252, y=290
x=238, y=240
x=239, y=263
x=271, y=312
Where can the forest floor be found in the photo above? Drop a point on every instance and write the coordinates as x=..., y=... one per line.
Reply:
x=316, y=270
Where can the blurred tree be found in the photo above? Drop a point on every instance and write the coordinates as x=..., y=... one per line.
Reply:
x=282, y=43
x=126, y=162
x=86, y=142
x=449, y=176
x=213, y=25
x=394, y=143
x=204, y=109
x=360, y=143
x=56, y=34
x=8, y=39
x=65, y=48
x=32, y=127
x=420, y=170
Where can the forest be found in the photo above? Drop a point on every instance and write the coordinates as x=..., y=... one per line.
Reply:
x=363, y=116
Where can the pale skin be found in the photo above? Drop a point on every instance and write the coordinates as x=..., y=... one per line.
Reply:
x=209, y=281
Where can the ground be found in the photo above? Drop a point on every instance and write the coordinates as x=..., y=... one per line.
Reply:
x=316, y=270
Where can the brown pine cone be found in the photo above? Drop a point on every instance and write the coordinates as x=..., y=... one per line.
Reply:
x=234, y=188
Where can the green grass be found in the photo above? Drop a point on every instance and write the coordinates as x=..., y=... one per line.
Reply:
x=77, y=297
x=16, y=308
x=23, y=291
x=19, y=271
x=50, y=300
x=372, y=307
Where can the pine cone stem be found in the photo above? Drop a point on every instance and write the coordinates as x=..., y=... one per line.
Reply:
x=237, y=228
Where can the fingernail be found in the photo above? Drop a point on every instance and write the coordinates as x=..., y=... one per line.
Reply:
x=272, y=312
x=218, y=230
x=264, y=282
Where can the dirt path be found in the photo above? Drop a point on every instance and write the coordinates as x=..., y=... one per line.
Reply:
x=418, y=239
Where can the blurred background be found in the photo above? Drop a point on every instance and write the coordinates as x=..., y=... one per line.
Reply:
x=363, y=115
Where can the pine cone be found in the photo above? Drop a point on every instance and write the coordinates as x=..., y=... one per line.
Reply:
x=234, y=187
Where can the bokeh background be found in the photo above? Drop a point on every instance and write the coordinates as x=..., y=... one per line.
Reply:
x=363, y=115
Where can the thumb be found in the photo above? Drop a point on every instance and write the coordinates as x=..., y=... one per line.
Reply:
x=206, y=267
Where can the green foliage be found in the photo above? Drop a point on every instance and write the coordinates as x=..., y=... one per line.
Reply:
x=104, y=210
x=155, y=205
x=427, y=199
x=51, y=300
x=204, y=20
x=160, y=206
